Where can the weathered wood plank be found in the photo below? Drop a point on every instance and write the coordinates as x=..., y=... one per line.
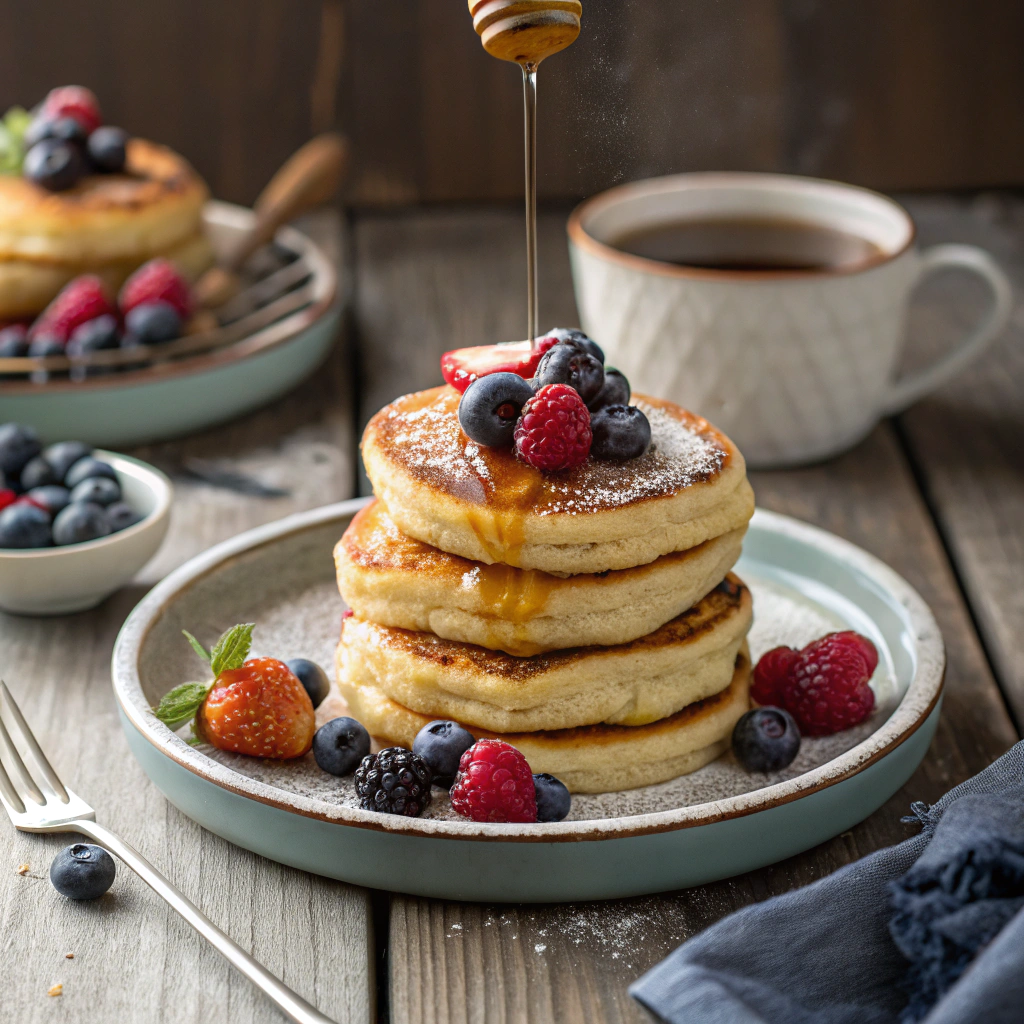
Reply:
x=441, y=279
x=135, y=961
x=967, y=439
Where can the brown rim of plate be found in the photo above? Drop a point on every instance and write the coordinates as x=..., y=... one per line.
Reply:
x=582, y=239
x=131, y=699
x=325, y=280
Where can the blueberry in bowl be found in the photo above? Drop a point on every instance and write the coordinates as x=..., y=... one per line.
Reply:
x=67, y=545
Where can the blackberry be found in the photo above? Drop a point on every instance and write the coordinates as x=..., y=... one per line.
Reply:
x=395, y=781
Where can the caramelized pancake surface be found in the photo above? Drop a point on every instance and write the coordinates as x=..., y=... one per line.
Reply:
x=685, y=660
x=394, y=580
x=484, y=504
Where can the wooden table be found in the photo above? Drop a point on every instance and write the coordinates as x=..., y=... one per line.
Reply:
x=938, y=494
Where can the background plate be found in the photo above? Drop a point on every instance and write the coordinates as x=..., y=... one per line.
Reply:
x=717, y=822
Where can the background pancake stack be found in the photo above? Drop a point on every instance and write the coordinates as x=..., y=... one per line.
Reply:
x=587, y=617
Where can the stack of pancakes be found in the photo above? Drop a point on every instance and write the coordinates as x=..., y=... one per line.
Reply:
x=587, y=617
x=108, y=224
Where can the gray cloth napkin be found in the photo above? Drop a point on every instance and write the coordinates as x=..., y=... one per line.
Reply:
x=825, y=954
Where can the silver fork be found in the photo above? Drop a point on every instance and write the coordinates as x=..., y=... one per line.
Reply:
x=38, y=801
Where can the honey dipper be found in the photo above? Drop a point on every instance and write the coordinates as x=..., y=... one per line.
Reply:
x=525, y=32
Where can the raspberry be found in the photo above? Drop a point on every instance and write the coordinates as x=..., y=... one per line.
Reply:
x=867, y=648
x=494, y=783
x=554, y=429
x=157, y=281
x=74, y=101
x=395, y=781
x=771, y=673
x=80, y=301
x=826, y=689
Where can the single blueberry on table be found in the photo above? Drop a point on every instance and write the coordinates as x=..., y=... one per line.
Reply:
x=313, y=678
x=766, y=739
x=85, y=468
x=18, y=444
x=490, y=407
x=100, y=490
x=52, y=497
x=620, y=432
x=64, y=454
x=121, y=515
x=24, y=526
x=340, y=745
x=37, y=472
x=441, y=744
x=153, y=323
x=80, y=522
x=82, y=871
x=553, y=799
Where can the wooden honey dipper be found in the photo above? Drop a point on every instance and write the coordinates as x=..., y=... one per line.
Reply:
x=525, y=32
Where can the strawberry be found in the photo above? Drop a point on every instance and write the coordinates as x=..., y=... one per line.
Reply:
x=462, y=366
x=79, y=301
x=73, y=101
x=157, y=281
x=254, y=706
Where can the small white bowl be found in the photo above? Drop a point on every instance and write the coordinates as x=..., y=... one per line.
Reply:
x=75, y=577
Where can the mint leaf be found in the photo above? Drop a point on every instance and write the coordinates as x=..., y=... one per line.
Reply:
x=181, y=704
x=12, y=133
x=196, y=645
x=232, y=648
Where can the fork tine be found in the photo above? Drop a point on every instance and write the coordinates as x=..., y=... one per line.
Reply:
x=16, y=768
x=7, y=793
x=38, y=758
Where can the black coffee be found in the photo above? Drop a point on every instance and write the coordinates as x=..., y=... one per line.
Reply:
x=749, y=244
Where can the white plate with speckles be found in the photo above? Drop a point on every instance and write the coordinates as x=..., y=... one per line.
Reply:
x=714, y=823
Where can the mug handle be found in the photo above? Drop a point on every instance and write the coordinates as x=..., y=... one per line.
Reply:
x=903, y=393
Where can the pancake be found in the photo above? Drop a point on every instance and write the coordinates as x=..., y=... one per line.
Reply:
x=485, y=505
x=107, y=224
x=689, y=658
x=595, y=758
x=393, y=580
x=26, y=286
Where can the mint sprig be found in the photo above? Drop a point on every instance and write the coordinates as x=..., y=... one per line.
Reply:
x=12, y=139
x=184, y=701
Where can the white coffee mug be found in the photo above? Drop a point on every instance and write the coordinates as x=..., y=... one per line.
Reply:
x=794, y=366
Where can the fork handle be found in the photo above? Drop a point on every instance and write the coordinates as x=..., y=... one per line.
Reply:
x=293, y=1006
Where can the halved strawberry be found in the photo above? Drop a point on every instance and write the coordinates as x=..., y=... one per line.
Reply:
x=462, y=366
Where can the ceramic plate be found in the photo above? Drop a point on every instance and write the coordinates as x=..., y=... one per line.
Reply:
x=717, y=822
x=169, y=399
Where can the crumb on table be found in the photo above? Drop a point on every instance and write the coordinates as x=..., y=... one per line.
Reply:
x=23, y=869
x=56, y=990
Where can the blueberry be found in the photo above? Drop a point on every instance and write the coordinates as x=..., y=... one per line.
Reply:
x=82, y=872
x=615, y=391
x=18, y=444
x=570, y=363
x=54, y=164
x=13, y=342
x=313, y=678
x=42, y=346
x=80, y=522
x=98, y=490
x=64, y=454
x=339, y=746
x=107, y=148
x=94, y=336
x=765, y=739
x=620, y=432
x=553, y=800
x=153, y=322
x=24, y=526
x=37, y=472
x=490, y=407
x=85, y=468
x=65, y=129
x=441, y=744
x=574, y=334
x=121, y=515
x=52, y=497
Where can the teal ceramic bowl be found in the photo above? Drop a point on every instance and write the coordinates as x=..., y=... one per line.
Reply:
x=718, y=822
x=182, y=396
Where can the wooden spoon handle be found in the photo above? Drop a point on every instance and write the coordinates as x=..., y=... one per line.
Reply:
x=308, y=178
